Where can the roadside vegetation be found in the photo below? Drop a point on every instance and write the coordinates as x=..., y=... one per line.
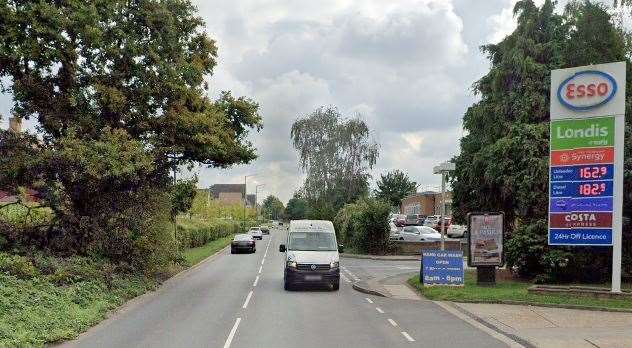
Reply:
x=511, y=291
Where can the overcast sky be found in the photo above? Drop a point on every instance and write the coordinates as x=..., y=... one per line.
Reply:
x=405, y=66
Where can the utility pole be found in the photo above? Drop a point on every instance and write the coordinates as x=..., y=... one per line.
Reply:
x=443, y=169
x=246, y=196
x=257, y=199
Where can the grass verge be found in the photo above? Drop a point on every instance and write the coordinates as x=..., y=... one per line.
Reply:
x=195, y=255
x=510, y=291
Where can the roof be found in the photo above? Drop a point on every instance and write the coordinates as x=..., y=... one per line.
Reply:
x=224, y=188
x=315, y=225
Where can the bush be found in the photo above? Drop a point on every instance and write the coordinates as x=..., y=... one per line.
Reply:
x=17, y=266
x=195, y=232
x=364, y=225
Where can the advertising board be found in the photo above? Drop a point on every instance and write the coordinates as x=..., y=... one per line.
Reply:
x=485, y=239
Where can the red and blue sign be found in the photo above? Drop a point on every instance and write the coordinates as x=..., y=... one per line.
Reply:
x=586, y=90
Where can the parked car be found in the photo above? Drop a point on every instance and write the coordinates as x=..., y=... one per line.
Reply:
x=415, y=219
x=456, y=231
x=399, y=220
x=255, y=232
x=243, y=242
x=311, y=254
x=434, y=221
x=416, y=234
x=265, y=230
x=393, y=227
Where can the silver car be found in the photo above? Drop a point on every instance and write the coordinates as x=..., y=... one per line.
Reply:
x=416, y=234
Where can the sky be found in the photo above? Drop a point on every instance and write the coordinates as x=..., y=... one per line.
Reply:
x=405, y=67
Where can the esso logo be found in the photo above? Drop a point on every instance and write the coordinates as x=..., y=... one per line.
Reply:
x=586, y=90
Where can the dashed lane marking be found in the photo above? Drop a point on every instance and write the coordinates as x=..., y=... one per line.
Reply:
x=231, y=335
x=377, y=309
x=410, y=339
x=260, y=268
x=256, y=281
x=247, y=300
x=368, y=300
x=344, y=277
x=392, y=321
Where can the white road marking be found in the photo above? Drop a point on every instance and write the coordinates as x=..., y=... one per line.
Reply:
x=410, y=339
x=263, y=260
x=256, y=281
x=231, y=335
x=352, y=275
x=247, y=300
x=260, y=269
x=368, y=300
x=344, y=277
x=377, y=309
x=392, y=321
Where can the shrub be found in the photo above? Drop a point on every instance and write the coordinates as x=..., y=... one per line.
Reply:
x=194, y=232
x=364, y=225
x=17, y=266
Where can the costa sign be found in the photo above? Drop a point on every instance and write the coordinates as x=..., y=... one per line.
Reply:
x=586, y=90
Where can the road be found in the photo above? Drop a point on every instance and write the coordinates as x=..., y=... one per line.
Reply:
x=239, y=301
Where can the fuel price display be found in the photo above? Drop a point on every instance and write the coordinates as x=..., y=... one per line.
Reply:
x=582, y=172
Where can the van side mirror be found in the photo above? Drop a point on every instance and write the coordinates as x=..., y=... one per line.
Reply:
x=282, y=248
x=341, y=248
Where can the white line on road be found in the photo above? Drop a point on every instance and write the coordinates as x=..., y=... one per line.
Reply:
x=247, y=300
x=263, y=260
x=352, y=275
x=260, y=267
x=392, y=321
x=256, y=281
x=344, y=277
x=379, y=310
x=368, y=300
x=229, y=340
x=410, y=339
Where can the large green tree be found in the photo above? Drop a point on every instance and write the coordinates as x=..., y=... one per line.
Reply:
x=337, y=154
x=272, y=208
x=503, y=164
x=119, y=95
x=297, y=208
x=394, y=186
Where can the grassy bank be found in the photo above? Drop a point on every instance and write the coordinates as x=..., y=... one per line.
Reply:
x=195, y=255
x=508, y=290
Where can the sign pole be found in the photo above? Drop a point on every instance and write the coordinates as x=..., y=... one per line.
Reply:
x=617, y=225
x=442, y=210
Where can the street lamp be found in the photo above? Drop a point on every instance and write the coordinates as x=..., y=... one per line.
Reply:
x=246, y=194
x=443, y=169
x=256, y=199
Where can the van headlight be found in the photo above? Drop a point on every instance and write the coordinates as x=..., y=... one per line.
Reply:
x=291, y=264
x=334, y=264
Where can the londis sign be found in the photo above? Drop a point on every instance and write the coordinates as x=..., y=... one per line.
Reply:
x=587, y=106
x=587, y=89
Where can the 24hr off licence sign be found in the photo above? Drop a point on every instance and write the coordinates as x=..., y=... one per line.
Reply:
x=586, y=103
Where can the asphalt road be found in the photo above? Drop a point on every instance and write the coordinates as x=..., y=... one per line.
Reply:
x=239, y=301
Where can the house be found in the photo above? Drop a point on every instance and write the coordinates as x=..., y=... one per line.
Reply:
x=231, y=194
x=426, y=203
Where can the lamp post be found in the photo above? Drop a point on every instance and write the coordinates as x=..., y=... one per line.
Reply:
x=245, y=196
x=257, y=199
x=443, y=169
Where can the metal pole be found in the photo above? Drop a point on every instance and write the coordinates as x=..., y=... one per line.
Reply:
x=245, y=193
x=443, y=210
x=617, y=200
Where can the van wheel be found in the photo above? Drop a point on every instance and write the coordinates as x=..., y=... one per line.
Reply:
x=335, y=286
x=232, y=251
x=286, y=286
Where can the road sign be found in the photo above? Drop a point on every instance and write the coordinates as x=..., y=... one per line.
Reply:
x=442, y=267
x=485, y=239
x=586, y=159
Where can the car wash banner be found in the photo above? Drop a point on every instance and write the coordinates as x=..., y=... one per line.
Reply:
x=586, y=154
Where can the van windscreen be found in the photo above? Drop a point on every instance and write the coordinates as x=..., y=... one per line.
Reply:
x=314, y=241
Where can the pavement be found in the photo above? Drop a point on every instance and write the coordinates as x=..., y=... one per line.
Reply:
x=527, y=326
x=239, y=301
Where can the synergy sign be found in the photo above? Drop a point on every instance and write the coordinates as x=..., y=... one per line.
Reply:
x=586, y=162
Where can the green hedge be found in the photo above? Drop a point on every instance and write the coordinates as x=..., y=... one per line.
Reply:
x=363, y=225
x=195, y=232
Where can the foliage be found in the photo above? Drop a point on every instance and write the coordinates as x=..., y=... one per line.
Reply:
x=117, y=107
x=182, y=195
x=394, y=186
x=364, y=225
x=195, y=232
x=207, y=208
x=297, y=208
x=503, y=162
x=272, y=208
x=195, y=255
x=64, y=297
x=337, y=154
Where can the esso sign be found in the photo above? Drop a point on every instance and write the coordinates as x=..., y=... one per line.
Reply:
x=586, y=90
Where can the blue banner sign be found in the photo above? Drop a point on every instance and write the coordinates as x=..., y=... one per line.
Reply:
x=582, y=172
x=569, y=205
x=581, y=189
x=442, y=267
x=583, y=236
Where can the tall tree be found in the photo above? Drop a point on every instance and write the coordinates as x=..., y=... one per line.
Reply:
x=272, y=208
x=296, y=208
x=118, y=91
x=394, y=186
x=337, y=154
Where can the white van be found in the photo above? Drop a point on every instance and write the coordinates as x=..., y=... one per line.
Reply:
x=311, y=254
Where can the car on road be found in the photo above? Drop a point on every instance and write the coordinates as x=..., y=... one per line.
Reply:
x=311, y=254
x=265, y=230
x=414, y=220
x=416, y=234
x=256, y=233
x=243, y=242
x=456, y=231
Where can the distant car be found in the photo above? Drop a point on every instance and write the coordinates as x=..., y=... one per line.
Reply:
x=243, y=242
x=414, y=220
x=256, y=233
x=434, y=221
x=456, y=231
x=398, y=219
x=416, y=234
x=265, y=230
x=393, y=227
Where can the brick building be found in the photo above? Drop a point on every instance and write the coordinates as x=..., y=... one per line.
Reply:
x=426, y=203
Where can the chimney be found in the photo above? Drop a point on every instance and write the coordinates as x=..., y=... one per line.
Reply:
x=15, y=124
